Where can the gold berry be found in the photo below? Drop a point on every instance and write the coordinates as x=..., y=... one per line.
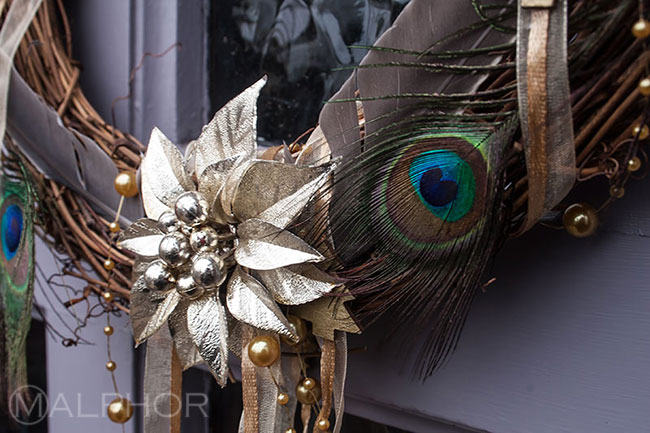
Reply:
x=111, y=366
x=580, y=220
x=114, y=227
x=283, y=398
x=126, y=184
x=616, y=191
x=263, y=350
x=644, y=86
x=309, y=383
x=641, y=29
x=109, y=264
x=323, y=424
x=308, y=396
x=642, y=131
x=108, y=330
x=120, y=410
x=634, y=164
x=108, y=296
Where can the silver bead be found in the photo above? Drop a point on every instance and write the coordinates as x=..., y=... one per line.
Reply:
x=204, y=239
x=208, y=270
x=188, y=288
x=157, y=276
x=192, y=208
x=168, y=222
x=175, y=249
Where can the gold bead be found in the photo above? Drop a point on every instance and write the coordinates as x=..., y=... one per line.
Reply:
x=309, y=383
x=263, y=350
x=641, y=29
x=580, y=220
x=283, y=398
x=126, y=184
x=290, y=430
x=634, y=164
x=111, y=366
x=108, y=296
x=641, y=130
x=120, y=410
x=114, y=227
x=108, y=330
x=299, y=327
x=323, y=424
x=308, y=396
x=616, y=191
x=644, y=86
x=109, y=264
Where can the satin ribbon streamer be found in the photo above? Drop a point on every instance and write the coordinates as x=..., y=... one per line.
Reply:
x=544, y=104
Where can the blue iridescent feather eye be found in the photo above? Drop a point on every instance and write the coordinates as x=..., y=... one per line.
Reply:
x=12, y=228
x=433, y=191
x=444, y=182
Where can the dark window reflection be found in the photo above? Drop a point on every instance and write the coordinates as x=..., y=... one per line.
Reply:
x=297, y=43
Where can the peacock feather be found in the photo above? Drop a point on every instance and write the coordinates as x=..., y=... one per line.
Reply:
x=425, y=131
x=16, y=281
x=423, y=128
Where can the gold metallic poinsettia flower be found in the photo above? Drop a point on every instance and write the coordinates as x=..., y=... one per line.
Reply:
x=216, y=229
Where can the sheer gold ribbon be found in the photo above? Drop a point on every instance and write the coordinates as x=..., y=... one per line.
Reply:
x=544, y=104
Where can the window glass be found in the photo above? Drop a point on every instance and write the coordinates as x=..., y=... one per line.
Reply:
x=298, y=44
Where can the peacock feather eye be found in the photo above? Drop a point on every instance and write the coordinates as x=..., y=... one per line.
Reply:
x=444, y=182
x=12, y=228
x=434, y=191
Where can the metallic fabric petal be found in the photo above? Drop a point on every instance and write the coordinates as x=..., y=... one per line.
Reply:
x=316, y=151
x=185, y=347
x=143, y=246
x=232, y=131
x=139, y=228
x=263, y=246
x=143, y=304
x=153, y=207
x=297, y=284
x=160, y=316
x=140, y=237
x=288, y=186
x=206, y=323
x=211, y=183
x=231, y=184
x=163, y=174
x=250, y=303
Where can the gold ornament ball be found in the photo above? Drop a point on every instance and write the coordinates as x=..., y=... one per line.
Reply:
x=114, y=227
x=108, y=330
x=616, y=191
x=644, y=86
x=580, y=220
x=641, y=29
x=323, y=424
x=290, y=430
x=111, y=366
x=263, y=351
x=308, y=396
x=120, y=410
x=309, y=383
x=642, y=131
x=283, y=398
x=634, y=164
x=109, y=264
x=108, y=296
x=126, y=184
x=299, y=327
